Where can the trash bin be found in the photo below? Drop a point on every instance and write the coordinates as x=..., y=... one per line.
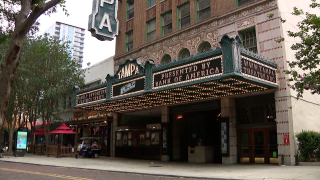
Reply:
x=296, y=158
x=281, y=159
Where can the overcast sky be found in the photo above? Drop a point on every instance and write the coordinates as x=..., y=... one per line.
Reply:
x=79, y=11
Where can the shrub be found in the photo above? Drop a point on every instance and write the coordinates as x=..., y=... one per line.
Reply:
x=309, y=145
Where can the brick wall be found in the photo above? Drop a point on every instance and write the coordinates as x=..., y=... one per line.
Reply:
x=141, y=13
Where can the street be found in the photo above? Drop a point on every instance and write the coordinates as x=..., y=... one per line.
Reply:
x=18, y=171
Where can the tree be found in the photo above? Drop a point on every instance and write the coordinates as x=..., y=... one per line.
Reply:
x=307, y=53
x=18, y=25
x=45, y=77
x=49, y=74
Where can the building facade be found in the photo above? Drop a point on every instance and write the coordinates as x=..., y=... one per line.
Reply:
x=75, y=35
x=203, y=81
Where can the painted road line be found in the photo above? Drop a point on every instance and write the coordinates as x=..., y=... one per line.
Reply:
x=45, y=174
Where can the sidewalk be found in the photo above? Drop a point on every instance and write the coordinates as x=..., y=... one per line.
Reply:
x=177, y=169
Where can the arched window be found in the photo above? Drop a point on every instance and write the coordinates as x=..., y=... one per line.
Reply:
x=205, y=46
x=184, y=53
x=166, y=59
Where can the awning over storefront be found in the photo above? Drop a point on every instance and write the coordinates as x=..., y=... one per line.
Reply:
x=226, y=71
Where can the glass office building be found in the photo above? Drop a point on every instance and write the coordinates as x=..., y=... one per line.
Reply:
x=75, y=35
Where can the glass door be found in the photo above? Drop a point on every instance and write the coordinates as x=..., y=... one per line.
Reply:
x=272, y=147
x=259, y=146
x=245, y=147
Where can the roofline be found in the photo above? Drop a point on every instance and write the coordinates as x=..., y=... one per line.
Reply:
x=69, y=25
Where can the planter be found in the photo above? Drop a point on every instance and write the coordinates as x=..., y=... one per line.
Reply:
x=309, y=163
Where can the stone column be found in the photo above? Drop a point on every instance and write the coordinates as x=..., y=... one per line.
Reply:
x=228, y=110
x=165, y=131
x=112, y=134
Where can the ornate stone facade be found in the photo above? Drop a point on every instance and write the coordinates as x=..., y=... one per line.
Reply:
x=190, y=37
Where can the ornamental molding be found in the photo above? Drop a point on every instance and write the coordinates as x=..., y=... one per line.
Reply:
x=246, y=22
x=144, y=59
x=174, y=51
x=157, y=56
x=193, y=44
x=213, y=37
x=209, y=26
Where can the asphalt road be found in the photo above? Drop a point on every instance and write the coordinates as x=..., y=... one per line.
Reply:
x=18, y=171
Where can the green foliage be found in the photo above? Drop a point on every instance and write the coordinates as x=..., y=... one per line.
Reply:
x=307, y=53
x=45, y=77
x=309, y=145
x=271, y=15
x=9, y=9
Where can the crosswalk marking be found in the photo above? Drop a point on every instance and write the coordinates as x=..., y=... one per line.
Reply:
x=45, y=174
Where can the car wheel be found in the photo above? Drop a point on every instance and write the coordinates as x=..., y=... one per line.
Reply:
x=96, y=155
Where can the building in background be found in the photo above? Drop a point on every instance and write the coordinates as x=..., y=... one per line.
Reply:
x=94, y=75
x=203, y=81
x=67, y=32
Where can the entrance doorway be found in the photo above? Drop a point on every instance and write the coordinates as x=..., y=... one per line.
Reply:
x=258, y=145
x=196, y=136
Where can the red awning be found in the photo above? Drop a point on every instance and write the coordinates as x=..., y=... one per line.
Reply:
x=63, y=129
x=62, y=132
x=39, y=131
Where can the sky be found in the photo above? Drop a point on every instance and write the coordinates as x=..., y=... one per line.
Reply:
x=79, y=11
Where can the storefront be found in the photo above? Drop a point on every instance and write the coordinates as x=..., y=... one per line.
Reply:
x=203, y=108
x=91, y=123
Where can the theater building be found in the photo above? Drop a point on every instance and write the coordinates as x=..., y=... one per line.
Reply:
x=202, y=81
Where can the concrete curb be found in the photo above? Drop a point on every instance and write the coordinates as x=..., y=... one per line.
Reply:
x=126, y=172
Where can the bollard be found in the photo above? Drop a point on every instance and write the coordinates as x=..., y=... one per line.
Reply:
x=281, y=159
x=296, y=157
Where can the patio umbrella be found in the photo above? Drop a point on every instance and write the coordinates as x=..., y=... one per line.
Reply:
x=39, y=131
x=63, y=129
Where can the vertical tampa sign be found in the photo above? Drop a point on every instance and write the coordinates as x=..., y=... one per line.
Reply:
x=103, y=22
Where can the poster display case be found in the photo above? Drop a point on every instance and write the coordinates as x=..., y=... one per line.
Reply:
x=140, y=142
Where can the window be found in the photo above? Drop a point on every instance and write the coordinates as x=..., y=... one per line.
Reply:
x=166, y=23
x=151, y=3
x=205, y=46
x=130, y=9
x=184, y=53
x=184, y=16
x=166, y=59
x=203, y=10
x=249, y=40
x=151, y=30
x=242, y=2
x=129, y=41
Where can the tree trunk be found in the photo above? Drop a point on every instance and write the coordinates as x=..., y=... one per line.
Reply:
x=23, y=22
x=1, y=131
x=46, y=133
x=8, y=69
x=11, y=131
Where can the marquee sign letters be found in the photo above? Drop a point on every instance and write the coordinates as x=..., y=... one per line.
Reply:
x=258, y=70
x=190, y=72
x=129, y=87
x=103, y=22
x=128, y=70
x=91, y=96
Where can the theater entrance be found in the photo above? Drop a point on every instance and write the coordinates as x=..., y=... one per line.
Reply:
x=258, y=146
